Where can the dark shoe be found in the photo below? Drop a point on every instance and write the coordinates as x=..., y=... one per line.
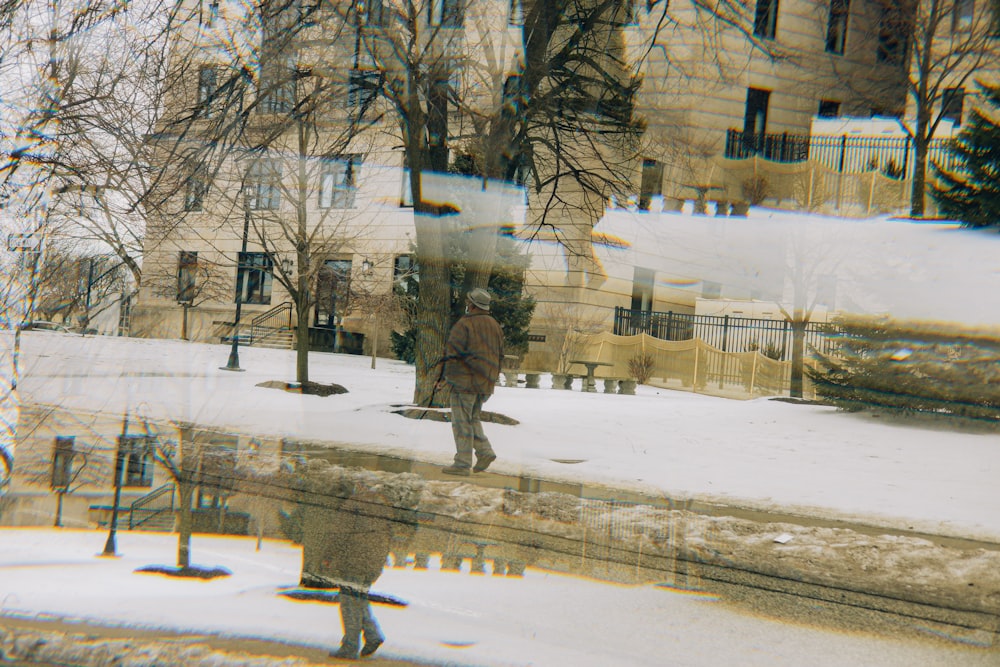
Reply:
x=371, y=646
x=345, y=653
x=483, y=462
x=456, y=470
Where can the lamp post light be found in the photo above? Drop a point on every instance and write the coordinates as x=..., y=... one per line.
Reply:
x=234, y=352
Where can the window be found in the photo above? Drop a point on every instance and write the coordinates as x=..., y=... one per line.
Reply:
x=371, y=12
x=62, y=462
x=755, y=116
x=995, y=25
x=135, y=461
x=196, y=187
x=333, y=289
x=362, y=88
x=892, y=39
x=836, y=27
x=765, y=22
x=264, y=182
x=404, y=268
x=208, y=15
x=952, y=101
x=207, y=86
x=828, y=109
x=963, y=16
x=338, y=183
x=516, y=15
x=642, y=289
x=187, y=276
x=447, y=13
x=652, y=183
x=254, y=277
x=277, y=88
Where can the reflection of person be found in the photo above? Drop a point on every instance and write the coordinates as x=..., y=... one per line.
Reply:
x=472, y=366
x=356, y=541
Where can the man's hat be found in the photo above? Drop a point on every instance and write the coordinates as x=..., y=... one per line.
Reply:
x=480, y=298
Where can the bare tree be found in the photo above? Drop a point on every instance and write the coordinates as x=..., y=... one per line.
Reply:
x=195, y=280
x=937, y=48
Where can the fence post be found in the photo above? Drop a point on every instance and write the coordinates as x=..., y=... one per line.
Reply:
x=725, y=332
x=871, y=193
x=670, y=325
x=840, y=171
x=694, y=378
x=809, y=192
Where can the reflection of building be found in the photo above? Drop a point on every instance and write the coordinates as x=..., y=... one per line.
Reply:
x=66, y=465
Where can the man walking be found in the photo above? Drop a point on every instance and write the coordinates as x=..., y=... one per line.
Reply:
x=472, y=366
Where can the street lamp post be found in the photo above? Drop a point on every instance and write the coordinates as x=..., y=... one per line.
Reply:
x=234, y=352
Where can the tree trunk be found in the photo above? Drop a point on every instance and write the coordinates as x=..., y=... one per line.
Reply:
x=185, y=490
x=59, y=507
x=184, y=321
x=302, y=331
x=798, y=354
x=433, y=309
x=917, y=193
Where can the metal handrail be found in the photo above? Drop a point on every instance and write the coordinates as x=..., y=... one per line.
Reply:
x=140, y=504
x=269, y=323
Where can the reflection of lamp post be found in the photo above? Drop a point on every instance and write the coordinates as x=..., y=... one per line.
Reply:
x=234, y=352
x=121, y=460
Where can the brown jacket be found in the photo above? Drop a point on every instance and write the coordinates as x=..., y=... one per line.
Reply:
x=473, y=354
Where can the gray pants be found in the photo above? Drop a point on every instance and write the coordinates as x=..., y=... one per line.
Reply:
x=467, y=429
x=356, y=616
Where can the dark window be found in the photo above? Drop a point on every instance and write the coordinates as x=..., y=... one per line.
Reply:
x=765, y=22
x=642, y=289
x=338, y=182
x=447, y=13
x=135, y=460
x=892, y=36
x=208, y=15
x=187, y=276
x=652, y=182
x=963, y=16
x=207, y=86
x=755, y=116
x=254, y=277
x=62, y=462
x=828, y=109
x=362, y=88
x=196, y=187
x=952, y=101
x=333, y=289
x=277, y=88
x=995, y=26
x=264, y=181
x=836, y=27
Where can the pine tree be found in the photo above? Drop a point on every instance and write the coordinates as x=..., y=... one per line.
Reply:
x=970, y=192
x=910, y=369
x=510, y=306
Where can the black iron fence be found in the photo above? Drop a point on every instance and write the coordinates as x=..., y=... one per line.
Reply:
x=772, y=338
x=892, y=156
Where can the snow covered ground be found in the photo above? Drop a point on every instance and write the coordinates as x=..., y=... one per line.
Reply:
x=455, y=618
x=760, y=454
